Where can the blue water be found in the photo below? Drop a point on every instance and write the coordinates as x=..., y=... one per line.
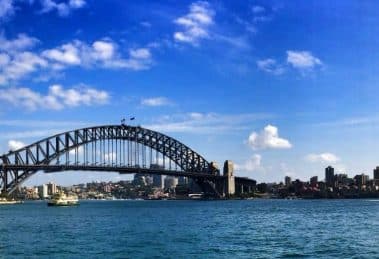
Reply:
x=192, y=229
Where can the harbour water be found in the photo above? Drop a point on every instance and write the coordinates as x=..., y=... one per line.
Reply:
x=192, y=229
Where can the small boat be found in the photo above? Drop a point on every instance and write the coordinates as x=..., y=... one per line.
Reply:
x=196, y=196
x=62, y=199
x=4, y=201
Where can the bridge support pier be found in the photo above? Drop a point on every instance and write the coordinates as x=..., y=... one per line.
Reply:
x=229, y=185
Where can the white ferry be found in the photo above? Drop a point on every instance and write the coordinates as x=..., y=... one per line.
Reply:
x=61, y=199
x=4, y=201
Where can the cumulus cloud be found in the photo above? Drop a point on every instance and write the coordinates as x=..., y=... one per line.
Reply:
x=270, y=66
x=56, y=99
x=302, y=59
x=18, y=60
x=195, y=24
x=21, y=42
x=67, y=54
x=268, y=138
x=15, y=145
x=100, y=53
x=15, y=66
x=63, y=8
x=323, y=157
x=252, y=164
x=155, y=101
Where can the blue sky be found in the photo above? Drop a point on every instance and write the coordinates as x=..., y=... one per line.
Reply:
x=279, y=87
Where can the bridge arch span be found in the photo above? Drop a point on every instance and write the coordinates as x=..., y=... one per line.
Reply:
x=111, y=147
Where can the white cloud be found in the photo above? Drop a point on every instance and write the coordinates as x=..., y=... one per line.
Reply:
x=323, y=157
x=268, y=138
x=15, y=145
x=101, y=53
x=22, y=42
x=43, y=123
x=270, y=66
x=111, y=156
x=140, y=53
x=63, y=8
x=103, y=50
x=77, y=3
x=155, y=101
x=17, y=60
x=195, y=24
x=79, y=150
x=56, y=99
x=19, y=65
x=67, y=54
x=6, y=8
x=252, y=164
x=140, y=59
x=302, y=59
x=258, y=9
x=206, y=123
x=145, y=24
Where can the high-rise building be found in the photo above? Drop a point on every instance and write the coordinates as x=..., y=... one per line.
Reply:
x=158, y=181
x=51, y=188
x=287, y=180
x=376, y=173
x=340, y=178
x=139, y=179
x=43, y=191
x=149, y=179
x=170, y=182
x=329, y=176
x=361, y=179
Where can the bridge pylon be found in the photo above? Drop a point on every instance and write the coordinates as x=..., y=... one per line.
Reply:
x=229, y=183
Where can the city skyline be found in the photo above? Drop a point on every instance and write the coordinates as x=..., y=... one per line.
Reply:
x=280, y=88
x=374, y=176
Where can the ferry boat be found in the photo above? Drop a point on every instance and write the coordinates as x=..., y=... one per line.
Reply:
x=61, y=199
x=4, y=201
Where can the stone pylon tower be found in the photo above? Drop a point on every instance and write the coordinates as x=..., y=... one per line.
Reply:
x=230, y=187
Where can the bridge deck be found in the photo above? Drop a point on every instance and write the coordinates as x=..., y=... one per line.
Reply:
x=119, y=169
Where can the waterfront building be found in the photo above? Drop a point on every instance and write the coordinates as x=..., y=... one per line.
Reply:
x=43, y=191
x=313, y=181
x=139, y=179
x=158, y=181
x=340, y=178
x=329, y=176
x=51, y=188
x=107, y=188
x=287, y=180
x=148, y=179
x=376, y=173
x=361, y=179
x=183, y=180
x=170, y=182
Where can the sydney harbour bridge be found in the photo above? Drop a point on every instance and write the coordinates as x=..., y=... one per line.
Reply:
x=123, y=149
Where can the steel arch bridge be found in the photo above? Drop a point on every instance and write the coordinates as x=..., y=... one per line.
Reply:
x=116, y=148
